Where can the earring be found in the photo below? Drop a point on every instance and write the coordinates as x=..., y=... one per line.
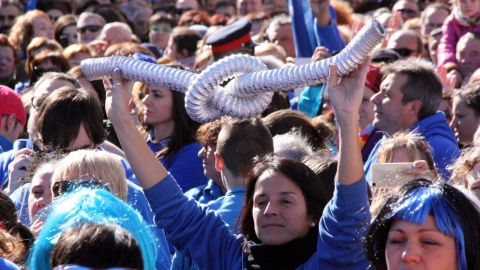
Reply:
x=312, y=224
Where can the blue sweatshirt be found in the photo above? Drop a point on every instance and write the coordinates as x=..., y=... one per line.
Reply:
x=200, y=233
x=439, y=136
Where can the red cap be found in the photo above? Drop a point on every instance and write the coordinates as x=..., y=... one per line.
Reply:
x=10, y=102
x=374, y=79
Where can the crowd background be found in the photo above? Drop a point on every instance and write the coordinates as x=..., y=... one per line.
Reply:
x=75, y=185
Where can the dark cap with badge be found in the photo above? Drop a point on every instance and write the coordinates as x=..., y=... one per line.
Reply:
x=231, y=37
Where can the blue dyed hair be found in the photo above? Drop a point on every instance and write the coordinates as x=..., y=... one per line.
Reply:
x=418, y=203
x=95, y=206
x=455, y=214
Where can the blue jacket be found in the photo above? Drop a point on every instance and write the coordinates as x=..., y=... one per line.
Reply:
x=308, y=34
x=228, y=207
x=440, y=137
x=136, y=199
x=205, y=193
x=200, y=233
x=185, y=166
x=5, y=144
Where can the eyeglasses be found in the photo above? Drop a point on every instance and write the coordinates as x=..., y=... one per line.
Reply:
x=65, y=186
x=39, y=71
x=37, y=102
x=404, y=52
x=79, y=267
x=91, y=28
x=158, y=29
x=407, y=11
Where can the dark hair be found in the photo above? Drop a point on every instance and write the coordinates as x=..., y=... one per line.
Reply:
x=63, y=112
x=300, y=174
x=240, y=140
x=186, y=38
x=422, y=83
x=455, y=215
x=282, y=121
x=470, y=94
x=9, y=220
x=162, y=17
x=325, y=168
x=63, y=22
x=56, y=58
x=97, y=246
x=185, y=127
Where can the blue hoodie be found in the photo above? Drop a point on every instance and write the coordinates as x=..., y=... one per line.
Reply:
x=440, y=137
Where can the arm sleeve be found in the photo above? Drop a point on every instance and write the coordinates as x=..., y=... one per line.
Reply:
x=447, y=47
x=194, y=230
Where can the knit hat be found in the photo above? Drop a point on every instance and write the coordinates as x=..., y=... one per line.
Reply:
x=374, y=79
x=10, y=102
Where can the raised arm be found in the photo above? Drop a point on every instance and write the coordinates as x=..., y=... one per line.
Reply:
x=346, y=97
x=145, y=165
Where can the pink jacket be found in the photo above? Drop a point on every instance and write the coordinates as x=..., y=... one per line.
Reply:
x=452, y=30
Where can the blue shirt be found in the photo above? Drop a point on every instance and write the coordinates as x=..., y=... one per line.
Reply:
x=185, y=166
x=205, y=193
x=5, y=144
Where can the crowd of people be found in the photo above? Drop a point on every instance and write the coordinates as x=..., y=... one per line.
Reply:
x=379, y=169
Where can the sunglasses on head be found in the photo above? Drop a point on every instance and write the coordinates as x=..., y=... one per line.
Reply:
x=79, y=267
x=404, y=52
x=90, y=28
x=407, y=11
x=65, y=186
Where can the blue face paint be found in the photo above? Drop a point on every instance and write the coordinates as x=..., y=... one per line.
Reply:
x=417, y=204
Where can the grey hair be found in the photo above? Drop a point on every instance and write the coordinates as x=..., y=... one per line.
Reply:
x=292, y=145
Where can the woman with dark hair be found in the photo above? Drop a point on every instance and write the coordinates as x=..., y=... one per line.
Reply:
x=170, y=133
x=9, y=61
x=65, y=30
x=280, y=209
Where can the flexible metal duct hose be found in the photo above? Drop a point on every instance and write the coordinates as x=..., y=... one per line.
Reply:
x=250, y=85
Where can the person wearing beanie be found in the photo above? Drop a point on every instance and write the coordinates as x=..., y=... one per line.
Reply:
x=13, y=118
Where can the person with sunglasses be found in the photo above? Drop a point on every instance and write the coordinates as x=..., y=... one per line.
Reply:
x=408, y=8
x=89, y=26
x=407, y=43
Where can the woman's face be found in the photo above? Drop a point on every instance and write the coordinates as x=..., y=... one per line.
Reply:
x=40, y=191
x=158, y=105
x=7, y=62
x=464, y=122
x=279, y=210
x=402, y=155
x=42, y=27
x=419, y=246
x=70, y=32
x=159, y=34
x=366, y=109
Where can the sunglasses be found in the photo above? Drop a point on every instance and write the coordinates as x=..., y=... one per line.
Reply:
x=407, y=11
x=39, y=71
x=79, y=267
x=404, y=52
x=65, y=186
x=90, y=28
x=160, y=29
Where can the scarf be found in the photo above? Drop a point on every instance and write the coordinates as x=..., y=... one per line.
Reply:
x=289, y=256
x=464, y=20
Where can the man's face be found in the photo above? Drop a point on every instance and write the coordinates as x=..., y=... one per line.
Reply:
x=390, y=114
x=409, y=10
x=7, y=62
x=42, y=92
x=283, y=36
x=432, y=47
x=404, y=44
x=468, y=56
x=249, y=6
x=8, y=14
x=433, y=19
x=88, y=30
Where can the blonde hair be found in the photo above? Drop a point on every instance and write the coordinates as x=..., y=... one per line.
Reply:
x=101, y=165
x=412, y=142
x=464, y=165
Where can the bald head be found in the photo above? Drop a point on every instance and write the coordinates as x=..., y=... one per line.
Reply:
x=407, y=43
x=116, y=32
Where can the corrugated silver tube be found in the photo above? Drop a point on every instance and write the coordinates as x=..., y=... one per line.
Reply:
x=239, y=86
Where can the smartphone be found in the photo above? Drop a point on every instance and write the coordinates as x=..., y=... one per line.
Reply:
x=389, y=175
